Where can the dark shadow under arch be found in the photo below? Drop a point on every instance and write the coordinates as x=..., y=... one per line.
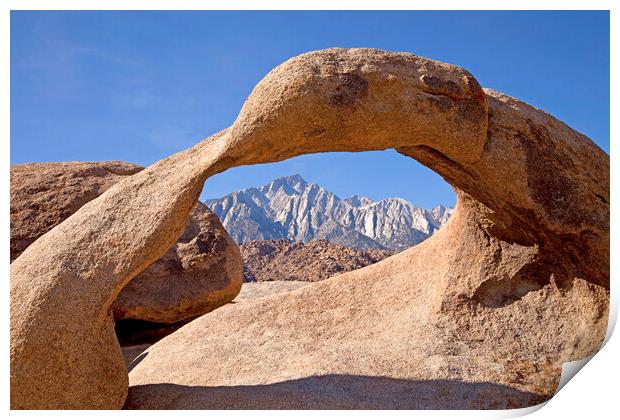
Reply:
x=337, y=392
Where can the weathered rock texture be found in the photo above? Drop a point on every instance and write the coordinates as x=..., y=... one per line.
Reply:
x=249, y=291
x=199, y=273
x=257, y=290
x=44, y=194
x=486, y=310
x=296, y=261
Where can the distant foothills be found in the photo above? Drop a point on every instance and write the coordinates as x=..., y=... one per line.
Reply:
x=291, y=208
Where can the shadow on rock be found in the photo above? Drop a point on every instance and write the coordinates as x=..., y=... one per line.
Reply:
x=336, y=392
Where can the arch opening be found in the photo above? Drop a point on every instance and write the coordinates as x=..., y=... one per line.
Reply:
x=313, y=196
x=312, y=217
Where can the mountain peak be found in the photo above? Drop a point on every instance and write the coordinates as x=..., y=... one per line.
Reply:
x=295, y=182
x=359, y=200
x=292, y=180
x=291, y=184
x=293, y=209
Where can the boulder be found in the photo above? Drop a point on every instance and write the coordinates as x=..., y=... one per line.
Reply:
x=199, y=273
x=481, y=315
x=412, y=331
x=43, y=195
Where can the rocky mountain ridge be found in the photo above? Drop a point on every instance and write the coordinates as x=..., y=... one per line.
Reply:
x=299, y=211
x=280, y=260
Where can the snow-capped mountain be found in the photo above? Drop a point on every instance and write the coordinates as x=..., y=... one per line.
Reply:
x=291, y=208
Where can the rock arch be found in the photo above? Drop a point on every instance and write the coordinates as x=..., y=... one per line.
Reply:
x=534, y=190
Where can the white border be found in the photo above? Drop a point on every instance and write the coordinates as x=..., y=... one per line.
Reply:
x=593, y=394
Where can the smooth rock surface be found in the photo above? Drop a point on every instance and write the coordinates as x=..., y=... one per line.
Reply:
x=256, y=290
x=515, y=284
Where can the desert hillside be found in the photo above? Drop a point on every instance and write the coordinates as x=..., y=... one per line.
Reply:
x=281, y=260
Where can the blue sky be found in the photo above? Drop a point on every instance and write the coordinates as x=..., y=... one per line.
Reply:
x=139, y=86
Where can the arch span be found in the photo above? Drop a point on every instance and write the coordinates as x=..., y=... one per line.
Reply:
x=524, y=179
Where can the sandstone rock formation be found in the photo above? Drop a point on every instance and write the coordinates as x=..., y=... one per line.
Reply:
x=392, y=335
x=45, y=194
x=258, y=290
x=199, y=273
x=521, y=286
x=296, y=261
x=249, y=291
